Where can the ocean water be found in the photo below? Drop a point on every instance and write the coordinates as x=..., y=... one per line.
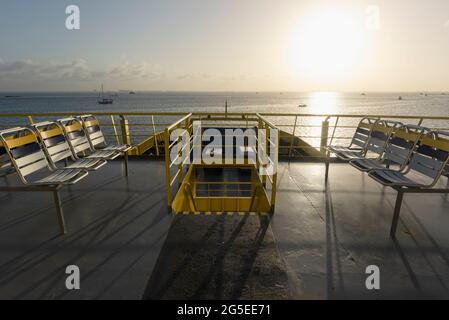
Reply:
x=317, y=102
x=416, y=104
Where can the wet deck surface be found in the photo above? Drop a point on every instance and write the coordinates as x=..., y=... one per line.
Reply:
x=219, y=257
x=327, y=239
x=117, y=227
x=324, y=240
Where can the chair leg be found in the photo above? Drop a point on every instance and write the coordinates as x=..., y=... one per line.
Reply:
x=447, y=187
x=126, y=164
x=326, y=175
x=397, y=211
x=59, y=212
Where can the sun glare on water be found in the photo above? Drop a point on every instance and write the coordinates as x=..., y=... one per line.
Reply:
x=325, y=45
x=323, y=102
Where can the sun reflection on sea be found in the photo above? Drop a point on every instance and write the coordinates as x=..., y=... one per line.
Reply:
x=323, y=102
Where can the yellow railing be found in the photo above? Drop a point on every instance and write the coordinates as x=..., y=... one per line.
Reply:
x=176, y=154
x=303, y=136
x=173, y=182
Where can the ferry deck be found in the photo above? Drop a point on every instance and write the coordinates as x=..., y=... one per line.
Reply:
x=315, y=244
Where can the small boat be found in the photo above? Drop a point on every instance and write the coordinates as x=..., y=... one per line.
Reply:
x=102, y=99
x=400, y=98
x=302, y=106
x=132, y=92
x=363, y=94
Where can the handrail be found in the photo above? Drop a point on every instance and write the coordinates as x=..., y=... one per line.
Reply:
x=177, y=123
x=270, y=124
x=240, y=114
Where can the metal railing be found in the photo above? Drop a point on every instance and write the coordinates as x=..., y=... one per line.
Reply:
x=303, y=136
x=177, y=154
x=173, y=182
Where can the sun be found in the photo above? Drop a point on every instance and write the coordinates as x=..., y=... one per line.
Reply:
x=325, y=45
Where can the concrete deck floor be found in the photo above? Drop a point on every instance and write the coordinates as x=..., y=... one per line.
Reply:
x=118, y=227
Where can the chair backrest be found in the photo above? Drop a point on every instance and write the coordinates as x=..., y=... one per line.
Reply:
x=431, y=155
x=75, y=135
x=402, y=143
x=24, y=150
x=363, y=131
x=93, y=130
x=380, y=134
x=53, y=141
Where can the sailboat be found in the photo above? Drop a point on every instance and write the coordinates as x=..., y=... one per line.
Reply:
x=104, y=100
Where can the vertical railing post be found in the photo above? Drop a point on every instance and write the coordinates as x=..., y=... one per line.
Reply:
x=167, y=167
x=275, y=173
x=267, y=152
x=30, y=119
x=333, y=131
x=420, y=121
x=124, y=124
x=117, y=140
x=259, y=127
x=324, y=136
x=293, y=138
x=156, y=142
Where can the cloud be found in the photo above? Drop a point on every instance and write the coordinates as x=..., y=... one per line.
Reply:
x=78, y=74
x=128, y=71
x=28, y=69
x=77, y=69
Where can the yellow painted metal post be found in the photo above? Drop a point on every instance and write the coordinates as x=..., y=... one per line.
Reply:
x=267, y=150
x=167, y=168
x=259, y=126
x=30, y=119
x=117, y=140
x=124, y=124
x=324, y=137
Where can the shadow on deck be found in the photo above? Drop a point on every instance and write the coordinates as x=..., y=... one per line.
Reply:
x=116, y=229
x=128, y=247
x=328, y=236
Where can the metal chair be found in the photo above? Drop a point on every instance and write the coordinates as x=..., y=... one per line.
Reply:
x=398, y=151
x=370, y=137
x=97, y=140
x=56, y=147
x=96, y=136
x=79, y=143
x=30, y=162
x=426, y=166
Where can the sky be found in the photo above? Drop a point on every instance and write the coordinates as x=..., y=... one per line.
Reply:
x=226, y=45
